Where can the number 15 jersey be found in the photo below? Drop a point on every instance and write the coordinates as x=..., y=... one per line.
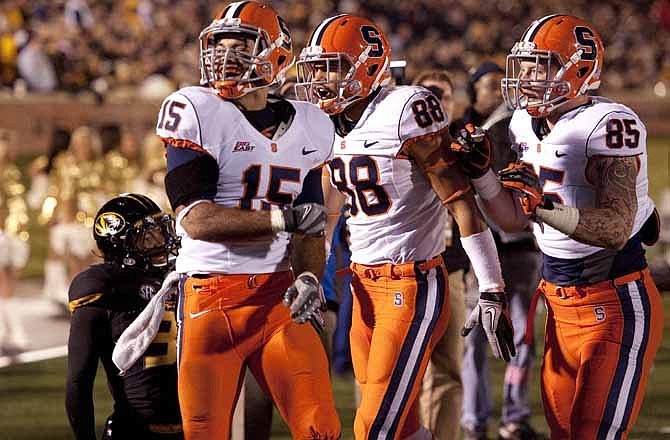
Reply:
x=255, y=172
x=396, y=216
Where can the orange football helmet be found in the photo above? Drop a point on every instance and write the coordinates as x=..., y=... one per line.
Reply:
x=233, y=72
x=353, y=56
x=564, y=46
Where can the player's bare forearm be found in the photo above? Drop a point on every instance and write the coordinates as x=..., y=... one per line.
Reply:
x=610, y=223
x=467, y=215
x=215, y=223
x=307, y=254
x=333, y=201
x=449, y=182
x=438, y=164
x=505, y=212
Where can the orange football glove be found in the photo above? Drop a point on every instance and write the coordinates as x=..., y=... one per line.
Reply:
x=473, y=149
x=522, y=179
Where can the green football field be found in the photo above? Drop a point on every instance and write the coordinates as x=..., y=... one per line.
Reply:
x=32, y=399
x=32, y=395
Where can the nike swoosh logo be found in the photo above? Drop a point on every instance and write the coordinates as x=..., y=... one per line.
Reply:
x=492, y=312
x=305, y=151
x=368, y=144
x=196, y=315
x=560, y=154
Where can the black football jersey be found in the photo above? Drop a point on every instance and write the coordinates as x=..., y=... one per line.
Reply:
x=104, y=300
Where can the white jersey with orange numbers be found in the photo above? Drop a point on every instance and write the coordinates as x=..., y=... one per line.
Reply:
x=255, y=172
x=602, y=128
x=396, y=216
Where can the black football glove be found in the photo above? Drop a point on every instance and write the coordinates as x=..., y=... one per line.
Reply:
x=306, y=300
x=308, y=218
x=473, y=150
x=492, y=313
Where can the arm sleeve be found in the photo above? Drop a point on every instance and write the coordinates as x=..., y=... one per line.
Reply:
x=199, y=169
x=179, y=124
x=321, y=130
x=82, y=365
x=312, y=191
x=422, y=115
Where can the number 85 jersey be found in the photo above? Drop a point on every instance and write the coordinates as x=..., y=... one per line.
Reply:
x=601, y=128
x=396, y=216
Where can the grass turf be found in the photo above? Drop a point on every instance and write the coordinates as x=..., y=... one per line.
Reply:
x=32, y=400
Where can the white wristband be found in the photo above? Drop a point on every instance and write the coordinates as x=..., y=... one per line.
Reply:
x=488, y=186
x=277, y=220
x=483, y=255
x=178, y=228
x=562, y=218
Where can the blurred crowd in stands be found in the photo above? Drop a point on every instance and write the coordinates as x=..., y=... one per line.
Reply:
x=124, y=49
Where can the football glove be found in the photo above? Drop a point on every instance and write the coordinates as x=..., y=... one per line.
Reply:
x=522, y=179
x=308, y=218
x=306, y=300
x=492, y=313
x=473, y=150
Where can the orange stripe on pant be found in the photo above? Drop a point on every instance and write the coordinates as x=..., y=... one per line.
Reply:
x=600, y=343
x=229, y=321
x=400, y=312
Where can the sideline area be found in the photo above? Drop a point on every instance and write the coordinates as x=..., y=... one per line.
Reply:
x=45, y=324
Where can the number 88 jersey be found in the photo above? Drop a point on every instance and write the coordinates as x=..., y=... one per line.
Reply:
x=601, y=128
x=396, y=216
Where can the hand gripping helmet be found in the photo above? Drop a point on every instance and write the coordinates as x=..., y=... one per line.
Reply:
x=264, y=64
x=352, y=47
x=132, y=232
x=564, y=46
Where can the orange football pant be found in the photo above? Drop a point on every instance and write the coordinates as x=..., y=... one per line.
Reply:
x=231, y=321
x=600, y=342
x=400, y=312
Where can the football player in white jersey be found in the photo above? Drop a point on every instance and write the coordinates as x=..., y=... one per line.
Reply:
x=393, y=163
x=244, y=177
x=582, y=178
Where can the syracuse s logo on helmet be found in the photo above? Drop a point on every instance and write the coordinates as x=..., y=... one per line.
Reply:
x=108, y=224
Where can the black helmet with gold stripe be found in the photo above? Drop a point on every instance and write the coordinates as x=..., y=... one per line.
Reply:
x=132, y=232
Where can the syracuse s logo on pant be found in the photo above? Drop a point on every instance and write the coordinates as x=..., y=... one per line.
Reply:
x=600, y=313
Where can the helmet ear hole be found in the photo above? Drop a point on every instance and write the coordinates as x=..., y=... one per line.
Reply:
x=373, y=69
x=281, y=59
x=353, y=87
x=583, y=71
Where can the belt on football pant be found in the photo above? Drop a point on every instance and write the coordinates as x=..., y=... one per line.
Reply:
x=388, y=270
x=565, y=292
x=251, y=280
x=165, y=428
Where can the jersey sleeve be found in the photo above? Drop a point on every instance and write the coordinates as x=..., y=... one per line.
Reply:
x=88, y=286
x=312, y=191
x=178, y=123
x=200, y=170
x=322, y=132
x=83, y=355
x=422, y=115
x=617, y=133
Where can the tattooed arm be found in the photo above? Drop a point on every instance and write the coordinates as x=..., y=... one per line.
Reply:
x=610, y=223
